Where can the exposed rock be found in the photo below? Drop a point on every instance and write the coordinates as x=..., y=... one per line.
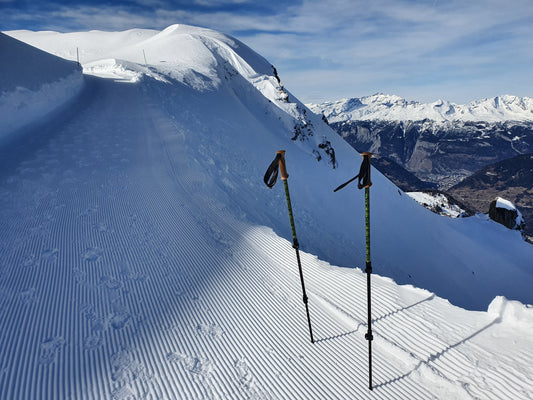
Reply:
x=504, y=212
x=511, y=179
x=443, y=153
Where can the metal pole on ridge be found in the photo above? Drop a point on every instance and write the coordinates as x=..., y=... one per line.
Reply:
x=365, y=182
x=270, y=180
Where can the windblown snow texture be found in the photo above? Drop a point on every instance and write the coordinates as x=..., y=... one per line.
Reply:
x=141, y=255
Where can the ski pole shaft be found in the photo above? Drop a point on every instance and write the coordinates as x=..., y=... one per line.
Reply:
x=368, y=336
x=296, y=245
x=365, y=182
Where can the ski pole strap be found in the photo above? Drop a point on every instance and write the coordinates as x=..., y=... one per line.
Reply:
x=271, y=174
x=363, y=175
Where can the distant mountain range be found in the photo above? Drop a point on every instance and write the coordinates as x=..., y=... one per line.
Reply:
x=444, y=145
x=439, y=142
x=394, y=108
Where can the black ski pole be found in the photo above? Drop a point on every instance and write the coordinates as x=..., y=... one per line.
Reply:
x=364, y=182
x=270, y=180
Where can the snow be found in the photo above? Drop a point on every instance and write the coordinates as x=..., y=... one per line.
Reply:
x=394, y=108
x=502, y=203
x=141, y=255
x=437, y=201
x=26, y=96
x=511, y=312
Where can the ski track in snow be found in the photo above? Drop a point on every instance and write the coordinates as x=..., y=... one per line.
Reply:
x=110, y=297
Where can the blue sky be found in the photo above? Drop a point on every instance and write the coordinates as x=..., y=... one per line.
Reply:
x=456, y=50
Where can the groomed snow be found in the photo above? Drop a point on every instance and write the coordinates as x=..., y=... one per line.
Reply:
x=141, y=255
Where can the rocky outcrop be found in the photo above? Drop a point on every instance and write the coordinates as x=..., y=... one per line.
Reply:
x=443, y=153
x=504, y=212
x=511, y=179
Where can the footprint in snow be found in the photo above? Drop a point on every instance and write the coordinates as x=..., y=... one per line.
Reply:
x=92, y=342
x=247, y=381
x=30, y=261
x=120, y=317
x=50, y=255
x=199, y=366
x=125, y=369
x=92, y=254
x=28, y=296
x=209, y=330
x=98, y=324
x=103, y=228
x=123, y=393
x=175, y=358
x=243, y=372
x=49, y=349
x=110, y=283
x=119, y=321
x=79, y=275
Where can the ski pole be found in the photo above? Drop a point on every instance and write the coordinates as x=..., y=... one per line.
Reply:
x=364, y=182
x=270, y=180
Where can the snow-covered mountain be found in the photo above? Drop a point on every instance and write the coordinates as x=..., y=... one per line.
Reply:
x=142, y=256
x=439, y=142
x=394, y=108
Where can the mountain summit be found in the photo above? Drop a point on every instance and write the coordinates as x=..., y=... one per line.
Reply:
x=394, y=108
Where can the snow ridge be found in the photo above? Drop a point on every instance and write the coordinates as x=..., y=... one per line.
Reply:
x=394, y=108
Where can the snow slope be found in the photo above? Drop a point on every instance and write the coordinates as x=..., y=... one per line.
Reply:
x=33, y=83
x=394, y=108
x=141, y=255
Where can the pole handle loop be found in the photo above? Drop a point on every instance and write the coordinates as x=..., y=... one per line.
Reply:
x=271, y=174
x=363, y=175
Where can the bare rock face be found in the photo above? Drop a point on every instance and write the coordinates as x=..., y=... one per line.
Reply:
x=442, y=153
x=505, y=213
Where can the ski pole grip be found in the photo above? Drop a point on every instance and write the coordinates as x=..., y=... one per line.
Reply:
x=282, y=167
x=366, y=176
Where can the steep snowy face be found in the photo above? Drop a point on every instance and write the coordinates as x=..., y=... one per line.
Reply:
x=394, y=108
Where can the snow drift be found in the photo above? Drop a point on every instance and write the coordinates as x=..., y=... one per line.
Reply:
x=33, y=83
x=143, y=257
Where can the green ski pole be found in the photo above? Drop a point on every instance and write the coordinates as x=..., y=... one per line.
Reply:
x=364, y=182
x=270, y=180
